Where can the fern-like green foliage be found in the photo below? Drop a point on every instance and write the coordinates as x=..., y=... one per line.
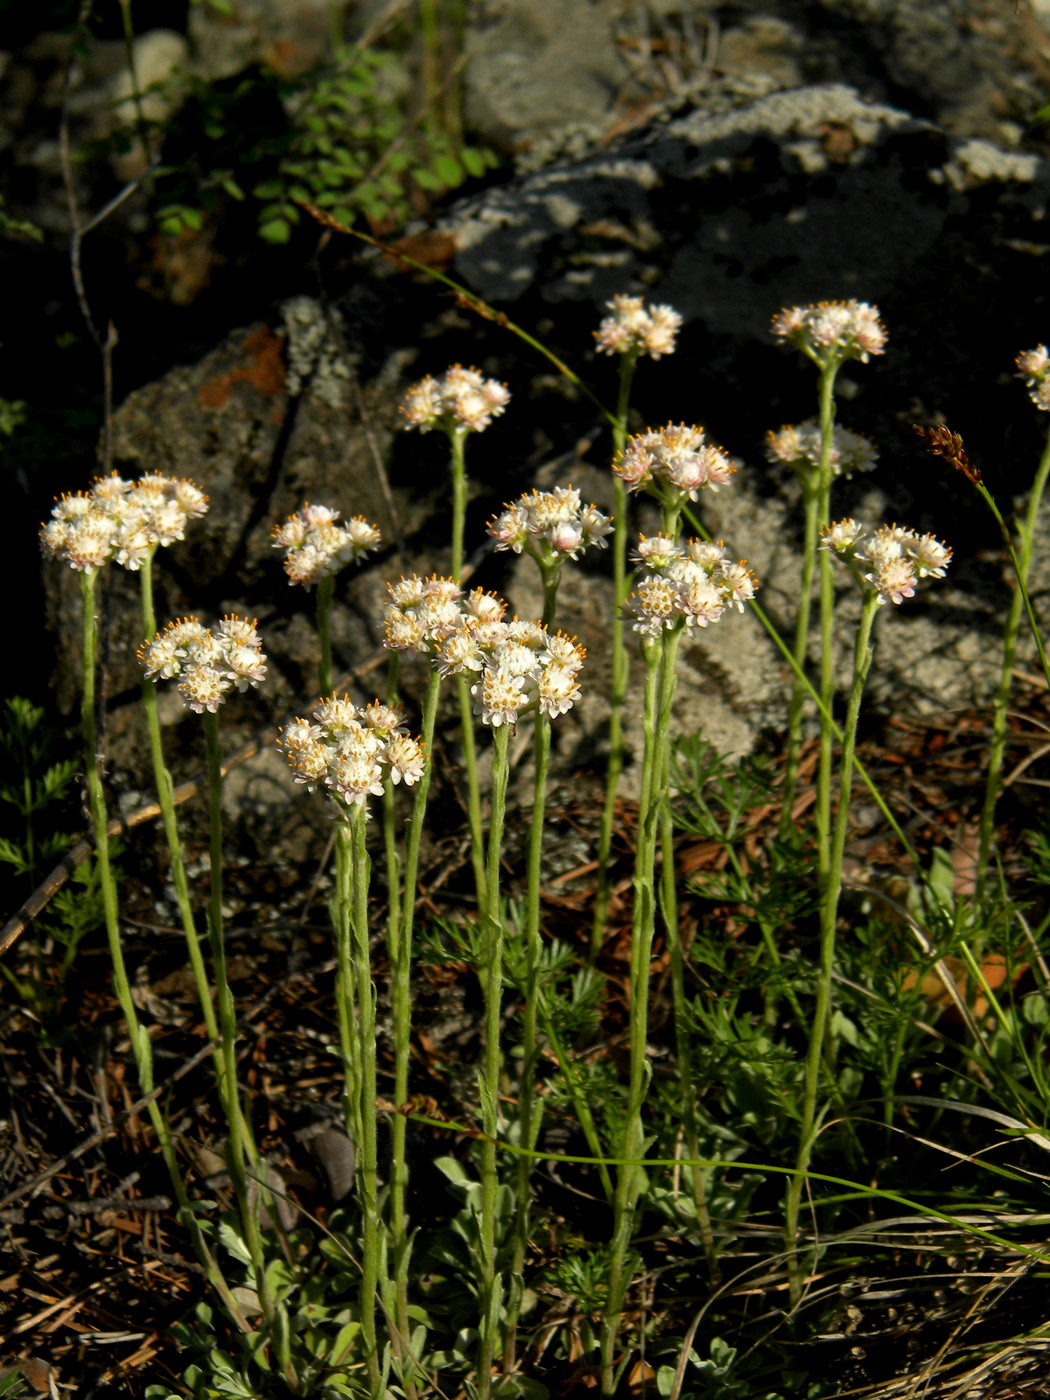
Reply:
x=354, y=152
x=34, y=784
x=342, y=137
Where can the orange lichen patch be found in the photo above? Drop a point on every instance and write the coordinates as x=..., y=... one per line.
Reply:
x=839, y=141
x=263, y=369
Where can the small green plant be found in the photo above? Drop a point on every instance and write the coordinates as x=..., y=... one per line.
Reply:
x=35, y=787
x=348, y=136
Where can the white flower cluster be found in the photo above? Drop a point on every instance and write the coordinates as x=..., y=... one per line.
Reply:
x=799, y=447
x=121, y=520
x=351, y=750
x=632, y=329
x=549, y=525
x=693, y=581
x=519, y=665
x=833, y=330
x=209, y=664
x=316, y=545
x=461, y=400
x=899, y=557
x=673, y=463
x=422, y=612
x=1033, y=366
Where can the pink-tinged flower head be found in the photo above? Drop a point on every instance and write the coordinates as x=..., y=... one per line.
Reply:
x=1033, y=366
x=514, y=667
x=673, y=463
x=799, y=447
x=316, y=544
x=633, y=329
x=899, y=558
x=460, y=400
x=208, y=664
x=832, y=331
x=690, y=583
x=520, y=667
x=550, y=525
x=423, y=613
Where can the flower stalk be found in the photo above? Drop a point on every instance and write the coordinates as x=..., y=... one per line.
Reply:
x=631, y=331
x=489, y=1075
x=897, y=559
x=166, y=801
x=400, y=954
x=530, y=1109
x=352, y=833
x=630, y=1173
x=862, y=656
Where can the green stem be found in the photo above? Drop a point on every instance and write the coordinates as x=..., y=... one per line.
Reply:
x=470, y=763
x=393, y=860
x=1033, y=622
x=862, y=655
x=236, y=1152
x=457, y=439
x=620, y=667
x=141, y=1046
x=474, y=303
x=810, y=541
x=530, y=1111
x=489, y=1078
x=141, y=129
x=551, y=575
x=345, y=998
x=1011, y=633
x=166, y=802
x=577, y=1093
x=400, y=953
x=827, y=623
x=353, y=832
x=659, y=689
x=811, y=690
x=428, y=29
x=683, y=1037
x=325, y=590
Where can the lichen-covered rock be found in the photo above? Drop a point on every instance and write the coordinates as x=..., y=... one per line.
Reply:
x=545, y=83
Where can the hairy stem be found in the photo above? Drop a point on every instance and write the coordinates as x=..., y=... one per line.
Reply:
x=400, y=953
x=141, y=1045
x=810, y=539
x=659, y=692
x=236, y=1152
x=166, y=802
x=530, y=1111
x=489, y=1077
x=620, y=667
x=827, y=623
x=1011, y=634
x=862, y=655
x=353, y=833
x=325, y=590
